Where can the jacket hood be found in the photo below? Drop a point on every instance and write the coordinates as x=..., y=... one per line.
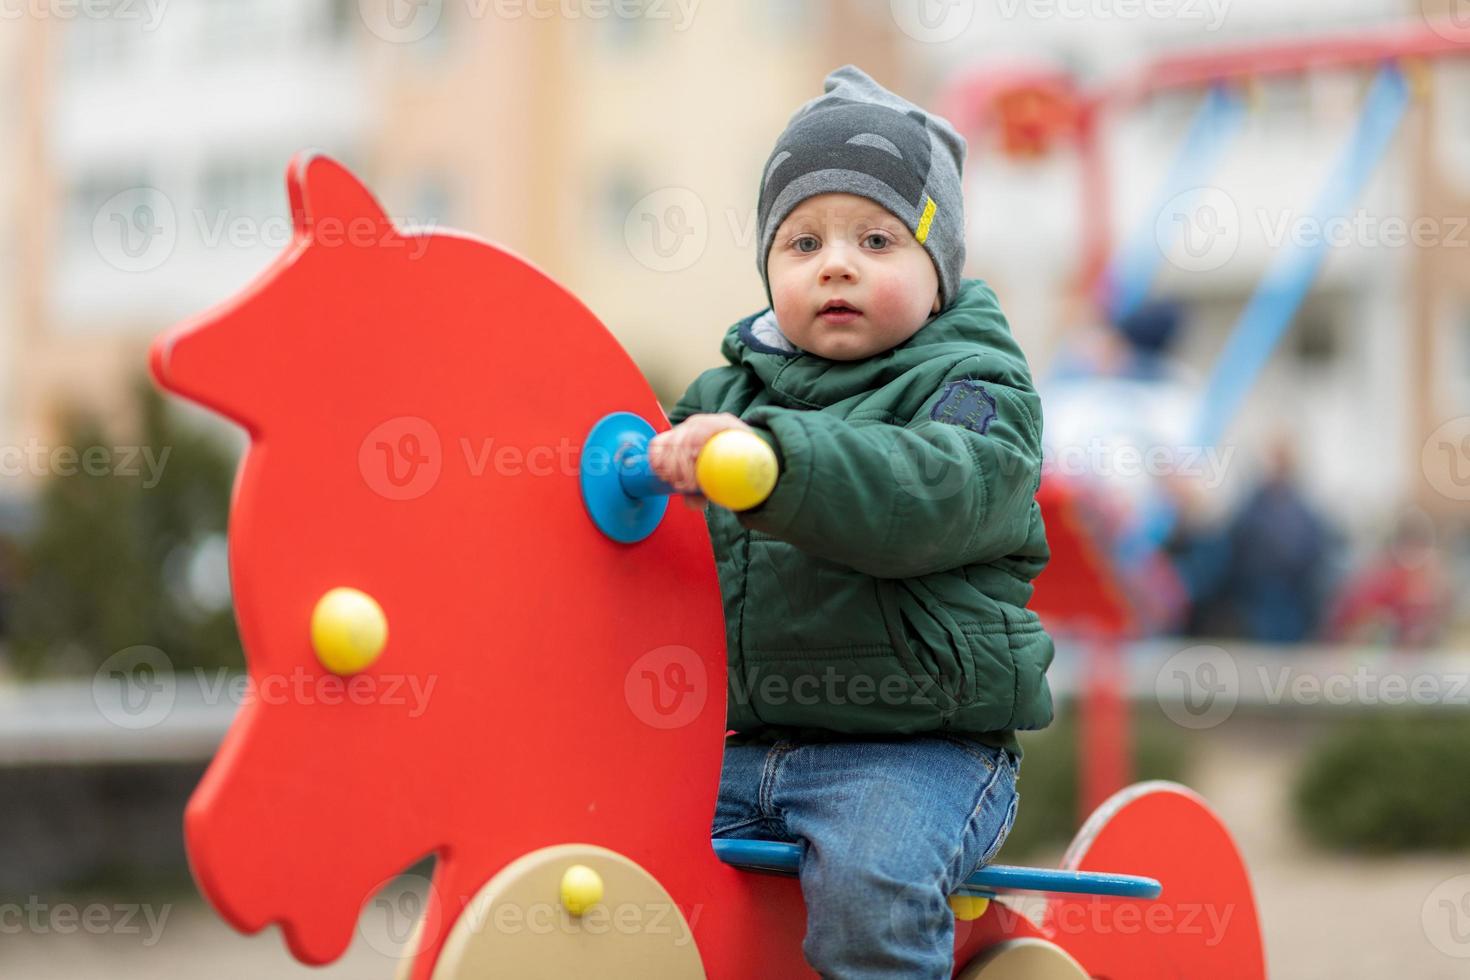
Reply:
x=972, y=325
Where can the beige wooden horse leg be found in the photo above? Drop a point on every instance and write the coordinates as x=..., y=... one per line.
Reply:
x=1023, y=959
x=517, y=929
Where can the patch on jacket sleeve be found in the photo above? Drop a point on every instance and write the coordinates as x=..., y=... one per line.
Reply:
x=966, y=403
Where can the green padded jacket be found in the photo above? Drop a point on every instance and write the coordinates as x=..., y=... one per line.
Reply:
x=882, y=587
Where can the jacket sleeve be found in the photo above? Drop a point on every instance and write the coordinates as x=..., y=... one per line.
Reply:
x=954, y=486
x=704, y=394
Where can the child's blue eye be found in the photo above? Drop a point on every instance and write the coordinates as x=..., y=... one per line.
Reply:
x=880, y=239
x=806, y=238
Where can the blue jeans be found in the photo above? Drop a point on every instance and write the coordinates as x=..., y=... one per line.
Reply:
x=889, y=826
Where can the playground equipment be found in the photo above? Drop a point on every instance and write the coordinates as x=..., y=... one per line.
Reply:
x=411, y=414
x=626, y=500
x=1035, y=112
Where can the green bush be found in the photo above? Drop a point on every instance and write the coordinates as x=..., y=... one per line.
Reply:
x=1388, y=782
x=102, y=567
x=1047, y=818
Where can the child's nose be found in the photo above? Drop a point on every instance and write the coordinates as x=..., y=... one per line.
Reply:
x=838, y=264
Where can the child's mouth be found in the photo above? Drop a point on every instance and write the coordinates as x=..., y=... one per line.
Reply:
x=839, y=314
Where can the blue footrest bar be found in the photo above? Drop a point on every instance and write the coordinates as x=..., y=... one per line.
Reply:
x=777, y=857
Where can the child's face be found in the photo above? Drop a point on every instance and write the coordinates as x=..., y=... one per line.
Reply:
x=841, y=246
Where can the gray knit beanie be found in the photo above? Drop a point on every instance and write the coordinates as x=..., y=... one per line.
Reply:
x=859, y=138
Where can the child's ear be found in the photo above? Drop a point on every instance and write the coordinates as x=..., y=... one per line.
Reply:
x=935, y=308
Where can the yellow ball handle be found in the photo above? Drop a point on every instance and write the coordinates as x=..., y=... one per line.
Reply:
x=736, y=469
x=348, y=630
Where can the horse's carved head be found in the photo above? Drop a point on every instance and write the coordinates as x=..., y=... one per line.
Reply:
x=416, y=405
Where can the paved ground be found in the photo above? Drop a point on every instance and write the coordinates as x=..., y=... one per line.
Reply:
x=1403, y=918
x=1325, y=917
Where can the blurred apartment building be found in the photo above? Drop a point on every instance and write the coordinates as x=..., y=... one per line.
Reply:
x=145, y=161
x=146, y=156
x=1377, y=360
x=1441, y=288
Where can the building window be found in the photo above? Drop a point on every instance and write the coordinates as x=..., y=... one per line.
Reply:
x=1170, y=113
x=620, y=192
x=432, y=205
x=86, y=197
x=1460, y=354
x=105, y=40
x=434, y=45
x=626, y=28
x=1451, y=126
x=234, y=185
x=235, y=26
x=1314, y=339
x=791, y=20
x=343, y=21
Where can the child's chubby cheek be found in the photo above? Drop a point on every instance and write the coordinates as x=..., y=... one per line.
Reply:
x=897, y=304
x=789, y=303
x=888, y=299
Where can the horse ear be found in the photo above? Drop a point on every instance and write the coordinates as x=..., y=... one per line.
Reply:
x=324, y=193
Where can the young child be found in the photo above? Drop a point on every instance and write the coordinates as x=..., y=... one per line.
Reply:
x=881, y=656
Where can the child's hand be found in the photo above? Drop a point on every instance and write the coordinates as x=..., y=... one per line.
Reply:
x=672, y=454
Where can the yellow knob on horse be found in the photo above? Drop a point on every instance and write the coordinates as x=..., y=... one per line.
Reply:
x=348, y=630
x=967, y=908
x=736, y=469
x=581, y=888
